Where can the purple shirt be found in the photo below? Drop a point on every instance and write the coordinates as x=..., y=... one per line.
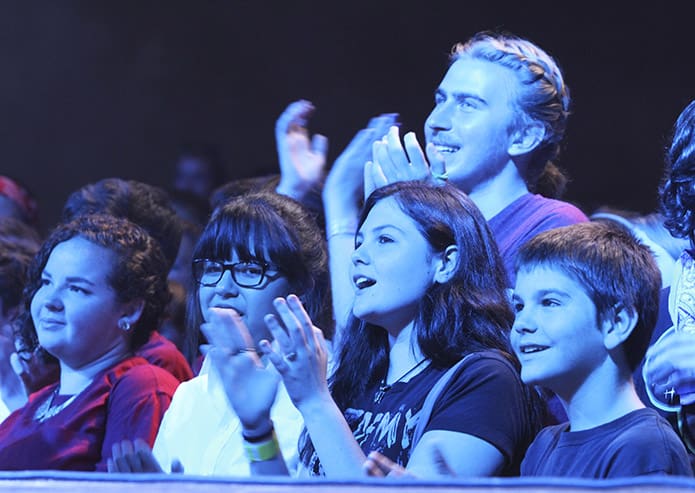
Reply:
x=526, y=217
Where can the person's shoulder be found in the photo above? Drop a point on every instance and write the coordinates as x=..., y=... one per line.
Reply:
x=548, y=435
x=647, y=443
x=535, y=213
x=191, y=404
x=558, y=210
x=491, y=370
x=136, y=372
x=645, y=427
x=642, y=432
x=190, y=392
x=489, y=360
x=161, y=352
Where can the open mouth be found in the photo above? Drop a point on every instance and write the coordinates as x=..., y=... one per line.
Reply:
x=363, y=282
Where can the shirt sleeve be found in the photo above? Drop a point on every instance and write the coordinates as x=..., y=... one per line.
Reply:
x=137, y=403
x=486, y=400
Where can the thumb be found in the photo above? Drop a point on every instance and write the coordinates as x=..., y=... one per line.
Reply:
x=374, y=178
x=437, y=164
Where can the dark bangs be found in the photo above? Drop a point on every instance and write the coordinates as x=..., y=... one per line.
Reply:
x=254, y=233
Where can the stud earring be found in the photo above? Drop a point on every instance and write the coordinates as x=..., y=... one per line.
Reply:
x=124, y=325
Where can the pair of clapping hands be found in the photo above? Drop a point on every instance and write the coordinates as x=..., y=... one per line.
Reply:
x=298, y=353
x=374, y=157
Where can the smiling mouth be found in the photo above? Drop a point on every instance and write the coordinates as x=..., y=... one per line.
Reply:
x=363, y=282
x=446, y=149
x=532, y=348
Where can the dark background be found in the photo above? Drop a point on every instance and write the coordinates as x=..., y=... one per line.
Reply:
x=92, y=89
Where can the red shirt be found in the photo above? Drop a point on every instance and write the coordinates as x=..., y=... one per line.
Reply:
x=126, y=401
x=160, y=351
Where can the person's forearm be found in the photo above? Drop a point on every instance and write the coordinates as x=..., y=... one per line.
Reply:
x=341, y=225
x=340, y=249
x=337, y=449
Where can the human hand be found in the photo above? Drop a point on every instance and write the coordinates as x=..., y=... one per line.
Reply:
x=250, y=386
x=343, y=189
x=300, y=354
x=33, y=370
x=301, y=162
x=394, y=161
x=129, y=457
x=378, y=465
x=670, y=364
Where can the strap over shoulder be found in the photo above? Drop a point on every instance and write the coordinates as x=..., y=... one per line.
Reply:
x=432, y=396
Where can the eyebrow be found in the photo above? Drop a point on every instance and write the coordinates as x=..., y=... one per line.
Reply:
x=79, y=279
x=545, y=292
x=71, y=278
x=380, y=228
x=556, y=292
x=459, y=96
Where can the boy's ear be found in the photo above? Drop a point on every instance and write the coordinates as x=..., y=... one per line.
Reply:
x=526, y=138
x=446, y=265
x=618, y=325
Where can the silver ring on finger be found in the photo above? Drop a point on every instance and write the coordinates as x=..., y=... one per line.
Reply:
x=235, y=352
x=291, y=356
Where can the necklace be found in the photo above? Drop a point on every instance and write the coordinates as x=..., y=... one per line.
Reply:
x=385, y=387
x=47, y=410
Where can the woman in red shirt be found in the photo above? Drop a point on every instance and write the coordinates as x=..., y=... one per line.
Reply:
x=95, y=290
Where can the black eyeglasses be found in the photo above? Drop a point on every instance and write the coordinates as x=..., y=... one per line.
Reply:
x=248, y=274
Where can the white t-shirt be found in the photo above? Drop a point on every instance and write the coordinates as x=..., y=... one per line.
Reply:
x=201, y=430
x=4, y=410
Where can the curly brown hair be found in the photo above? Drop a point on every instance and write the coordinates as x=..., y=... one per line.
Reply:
x=139, y=271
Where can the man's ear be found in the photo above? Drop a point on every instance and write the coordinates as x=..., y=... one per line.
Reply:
x=447, y=262
x=526, y=138
x=618, y=325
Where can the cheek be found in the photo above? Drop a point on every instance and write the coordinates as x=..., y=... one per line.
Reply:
x=514, y=339
x=35, y=305
x=204, y=297
x=261, y=302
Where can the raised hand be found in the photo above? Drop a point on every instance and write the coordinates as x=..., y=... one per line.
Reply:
x=250, y=386
x=343, y=189
x=300, y=354
x=670, y=366
x=33, y=370
x=342, y=197
x=302, y=161
x=393, y=160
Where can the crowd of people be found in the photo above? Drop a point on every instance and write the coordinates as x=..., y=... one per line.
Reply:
x=411, y=310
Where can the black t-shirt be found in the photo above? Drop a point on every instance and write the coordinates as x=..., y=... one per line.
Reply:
x=484, y=399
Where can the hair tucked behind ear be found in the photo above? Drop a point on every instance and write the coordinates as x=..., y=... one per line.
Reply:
x=470, y=312
x=138, y=272
x=542, y=96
